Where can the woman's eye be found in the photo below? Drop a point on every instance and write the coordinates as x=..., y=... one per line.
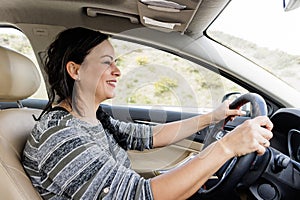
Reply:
x=106, y=63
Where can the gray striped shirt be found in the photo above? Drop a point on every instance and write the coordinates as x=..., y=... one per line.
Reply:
x=67, y=158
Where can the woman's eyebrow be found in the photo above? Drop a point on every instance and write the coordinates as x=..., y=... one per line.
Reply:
x=107, y=56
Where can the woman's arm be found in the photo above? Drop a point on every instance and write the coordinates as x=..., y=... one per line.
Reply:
x=165, y=134
x=182, y=182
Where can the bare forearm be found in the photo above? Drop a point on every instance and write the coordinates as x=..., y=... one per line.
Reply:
x=186, y=180
x=251, y=136
x=169, y=133
x=172, y=132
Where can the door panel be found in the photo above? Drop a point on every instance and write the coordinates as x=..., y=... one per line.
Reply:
x=150, y=163
x=156, y=161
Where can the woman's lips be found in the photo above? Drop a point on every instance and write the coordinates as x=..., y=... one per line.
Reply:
x=112, y=83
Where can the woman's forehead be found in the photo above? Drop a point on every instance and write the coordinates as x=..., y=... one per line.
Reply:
x=104, y=49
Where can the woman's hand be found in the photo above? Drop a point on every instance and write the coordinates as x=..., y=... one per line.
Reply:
x=223, y=111
x=253, y=135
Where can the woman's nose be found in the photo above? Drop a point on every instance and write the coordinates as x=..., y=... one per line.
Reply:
x=115, y=70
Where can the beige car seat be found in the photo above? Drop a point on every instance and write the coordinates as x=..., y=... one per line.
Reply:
x=19, y=79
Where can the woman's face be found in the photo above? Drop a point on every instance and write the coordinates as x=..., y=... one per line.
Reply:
x=99, y=72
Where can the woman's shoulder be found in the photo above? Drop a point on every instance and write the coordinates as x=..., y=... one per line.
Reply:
x=49, y=120
x=53, y=117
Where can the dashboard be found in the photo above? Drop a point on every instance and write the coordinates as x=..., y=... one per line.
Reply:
x=286, y=132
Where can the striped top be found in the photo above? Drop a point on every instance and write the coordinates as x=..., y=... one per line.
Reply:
x=67, y=158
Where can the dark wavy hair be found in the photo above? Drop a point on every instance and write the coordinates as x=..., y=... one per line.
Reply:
x=73, y=44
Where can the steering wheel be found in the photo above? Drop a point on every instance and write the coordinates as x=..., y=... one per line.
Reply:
x=233, y=170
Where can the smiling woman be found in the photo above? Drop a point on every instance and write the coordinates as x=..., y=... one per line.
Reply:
x=164, y=88
x=77, y=151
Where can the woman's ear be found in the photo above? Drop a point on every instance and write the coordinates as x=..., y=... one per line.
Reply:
x=73, y=70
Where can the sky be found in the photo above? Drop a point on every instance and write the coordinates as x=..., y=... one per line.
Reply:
x=264, y=22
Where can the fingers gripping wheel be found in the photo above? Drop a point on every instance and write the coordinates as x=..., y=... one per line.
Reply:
x=233, y=170
x=258, y=104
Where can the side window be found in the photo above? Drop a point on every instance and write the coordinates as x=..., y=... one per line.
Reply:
x=14, y=39
x=152, y=77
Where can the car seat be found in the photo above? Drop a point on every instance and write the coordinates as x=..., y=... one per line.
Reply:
x=19, y=79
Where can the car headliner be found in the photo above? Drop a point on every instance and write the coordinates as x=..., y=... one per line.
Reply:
x=69, y=13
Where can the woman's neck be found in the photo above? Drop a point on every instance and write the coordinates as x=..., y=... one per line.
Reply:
x=84, y=112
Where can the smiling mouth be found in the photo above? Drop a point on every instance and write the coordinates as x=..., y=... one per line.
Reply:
x=112, y=83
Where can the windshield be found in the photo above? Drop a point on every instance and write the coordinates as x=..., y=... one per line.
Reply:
x=263, y=32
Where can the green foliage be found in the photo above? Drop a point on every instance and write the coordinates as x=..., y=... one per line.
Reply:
x=164, y=85
x=142, y=60
x=16, y=42
x=137, y=98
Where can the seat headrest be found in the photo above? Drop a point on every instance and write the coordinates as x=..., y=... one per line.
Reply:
x=19, y=77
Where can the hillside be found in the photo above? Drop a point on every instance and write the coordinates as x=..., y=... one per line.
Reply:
x=165, y=79
x=281, y=64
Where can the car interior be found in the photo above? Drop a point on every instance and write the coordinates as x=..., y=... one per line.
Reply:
x=16, y=123
x=178, y=29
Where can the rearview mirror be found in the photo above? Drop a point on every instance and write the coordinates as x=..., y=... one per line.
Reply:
x=291, y=4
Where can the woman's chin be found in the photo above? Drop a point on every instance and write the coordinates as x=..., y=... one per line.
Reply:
x=110, y=96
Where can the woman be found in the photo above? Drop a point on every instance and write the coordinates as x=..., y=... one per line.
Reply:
x=76, y=151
